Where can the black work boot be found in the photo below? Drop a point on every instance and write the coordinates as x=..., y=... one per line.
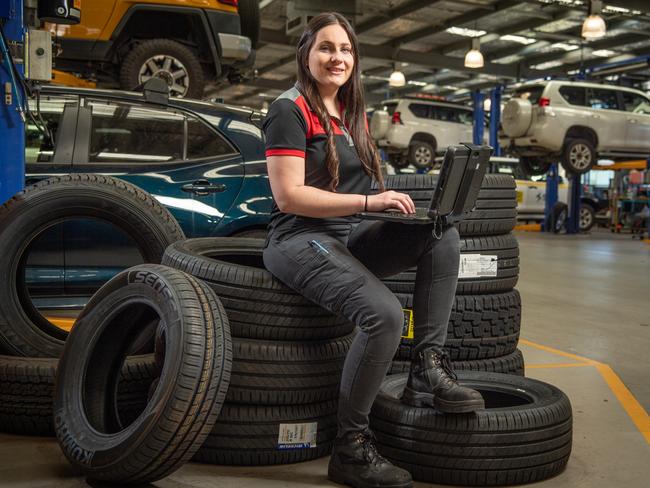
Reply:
x=432, y=383
x=356, y=462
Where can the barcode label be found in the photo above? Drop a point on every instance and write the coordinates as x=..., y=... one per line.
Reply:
x=297, y=436
x=477, y=266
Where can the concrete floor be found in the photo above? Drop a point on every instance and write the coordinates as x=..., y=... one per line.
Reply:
x=585, y=328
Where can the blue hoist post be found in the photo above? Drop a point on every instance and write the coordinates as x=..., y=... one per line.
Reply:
x=575, y=193
x=495, y=118
x=12, y=125
x=479, y=117
x=551, y=196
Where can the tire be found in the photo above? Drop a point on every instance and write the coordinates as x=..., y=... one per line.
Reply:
x=134, y=70
x=516, y=117
x=480, y=275
x=559, y=215
x=534, y=166
x=249, y=20
x=587, y=217
x=259, y=306
x=398, y=161
x=524, y=434
x=247, y=435
x=286, y=373
x=509, y=364
x=23, y=331
x=379, y=124
x=578, y=156
x=480, y=326
x=27, y=392
x=194, y=356
x=496, y=205
x=252, y=234
x=421, y=154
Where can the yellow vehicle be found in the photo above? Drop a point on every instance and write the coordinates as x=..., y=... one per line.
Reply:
x=187, y=43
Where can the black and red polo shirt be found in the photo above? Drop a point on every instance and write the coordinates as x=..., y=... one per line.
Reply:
x=292, y=128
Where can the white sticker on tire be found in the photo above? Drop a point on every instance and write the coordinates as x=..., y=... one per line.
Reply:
x=477, y=266
x=297, y=436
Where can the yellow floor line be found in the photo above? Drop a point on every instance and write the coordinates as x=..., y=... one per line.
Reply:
x=625, y=397
x=557, y=365
x=61, y=323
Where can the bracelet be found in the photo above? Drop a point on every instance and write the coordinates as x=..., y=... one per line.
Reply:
x=365, y=207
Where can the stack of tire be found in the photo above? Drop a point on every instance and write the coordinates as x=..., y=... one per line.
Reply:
x=525, y=432
x=485, y=320
x=288, y=356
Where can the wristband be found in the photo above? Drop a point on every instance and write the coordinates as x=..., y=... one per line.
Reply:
x=365, y=207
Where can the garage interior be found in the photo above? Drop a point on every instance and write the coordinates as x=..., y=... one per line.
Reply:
x=585, y=320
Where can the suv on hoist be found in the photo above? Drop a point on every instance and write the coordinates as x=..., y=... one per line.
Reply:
x=412, y=130
x=188, y=44
x=574, y=123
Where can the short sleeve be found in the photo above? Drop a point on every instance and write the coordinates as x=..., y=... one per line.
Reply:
x=285, y=129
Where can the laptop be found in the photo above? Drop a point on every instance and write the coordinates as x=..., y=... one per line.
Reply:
x=461, y=174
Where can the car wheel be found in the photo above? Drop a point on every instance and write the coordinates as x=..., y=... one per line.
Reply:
x=559, y=215
x=398, y=162
x=579, y=156
x=168, y=60
x=421, y=154
x=534, y=166
x=587, y=217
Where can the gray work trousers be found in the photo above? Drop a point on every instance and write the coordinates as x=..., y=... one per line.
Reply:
x=340, y=266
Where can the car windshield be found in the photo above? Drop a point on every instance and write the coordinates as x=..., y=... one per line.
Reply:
x=530, y=93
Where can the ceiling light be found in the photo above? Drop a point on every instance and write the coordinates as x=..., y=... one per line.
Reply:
x=474, y=57
x=548, y=65
x=520, y=39
x=594, y=26
x=397, y=79
x=462, y=31
x=565, y=46
x=417, y=83
x=487, y=104
x=604, y=53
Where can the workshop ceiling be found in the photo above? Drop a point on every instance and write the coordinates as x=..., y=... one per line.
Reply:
x=427, y=40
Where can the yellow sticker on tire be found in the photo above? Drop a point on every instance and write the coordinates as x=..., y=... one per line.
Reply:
x=407, y=327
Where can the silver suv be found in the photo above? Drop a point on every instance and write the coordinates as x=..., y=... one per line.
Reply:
x=412, y=130
x=575, y=123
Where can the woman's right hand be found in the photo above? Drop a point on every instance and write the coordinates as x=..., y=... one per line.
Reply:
x=390, y=199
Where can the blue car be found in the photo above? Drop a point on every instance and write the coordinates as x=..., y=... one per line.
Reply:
x=203, y=161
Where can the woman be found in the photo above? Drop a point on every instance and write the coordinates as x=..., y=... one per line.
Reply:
x=320, y=161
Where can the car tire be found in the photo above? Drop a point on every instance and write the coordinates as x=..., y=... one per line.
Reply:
x=286, y=373
x=27, y=392
x=183, y=61
x=259, y=306
x=23, y=331
x=251, y=435
x=194, y=355
x=534, y=166
x=421, y=154
x=479, y=326
x=249, y=20
x=512, y=363
x=523, y=435
x=496, y=204
x=398, y=161
x=578, y=156
x=587, y=217
x=559, y=215
x=502, y=250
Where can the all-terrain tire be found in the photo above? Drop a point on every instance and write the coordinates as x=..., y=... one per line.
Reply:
x=23, y=331
x=523, y=435
x=194, y=354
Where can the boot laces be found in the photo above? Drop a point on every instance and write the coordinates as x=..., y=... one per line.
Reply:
x=445, y=364
x=370, y=453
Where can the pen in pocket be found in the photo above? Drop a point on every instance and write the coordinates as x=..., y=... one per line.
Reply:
x=318, y=246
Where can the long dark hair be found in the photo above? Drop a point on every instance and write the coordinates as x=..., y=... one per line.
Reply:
x=350, y=94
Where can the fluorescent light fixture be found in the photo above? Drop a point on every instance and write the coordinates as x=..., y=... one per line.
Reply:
x=417, y=83
x=474, y=57
x=548, y=65
x=565, y=46
x=462, y=31
x=397, y=79
x=520, y=39
x=604, y=53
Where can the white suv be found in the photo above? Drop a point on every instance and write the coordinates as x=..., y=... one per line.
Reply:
x=575, y=123
x=412, y=130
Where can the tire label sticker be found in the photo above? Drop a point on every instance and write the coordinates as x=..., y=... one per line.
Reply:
x=297, y=436
x=477, y=266
x=407, y=326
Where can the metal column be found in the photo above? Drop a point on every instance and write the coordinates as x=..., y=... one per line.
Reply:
x=551, y=196
x=479, y=117
x=12, y=125
x=575, y=192
x=495, y=118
